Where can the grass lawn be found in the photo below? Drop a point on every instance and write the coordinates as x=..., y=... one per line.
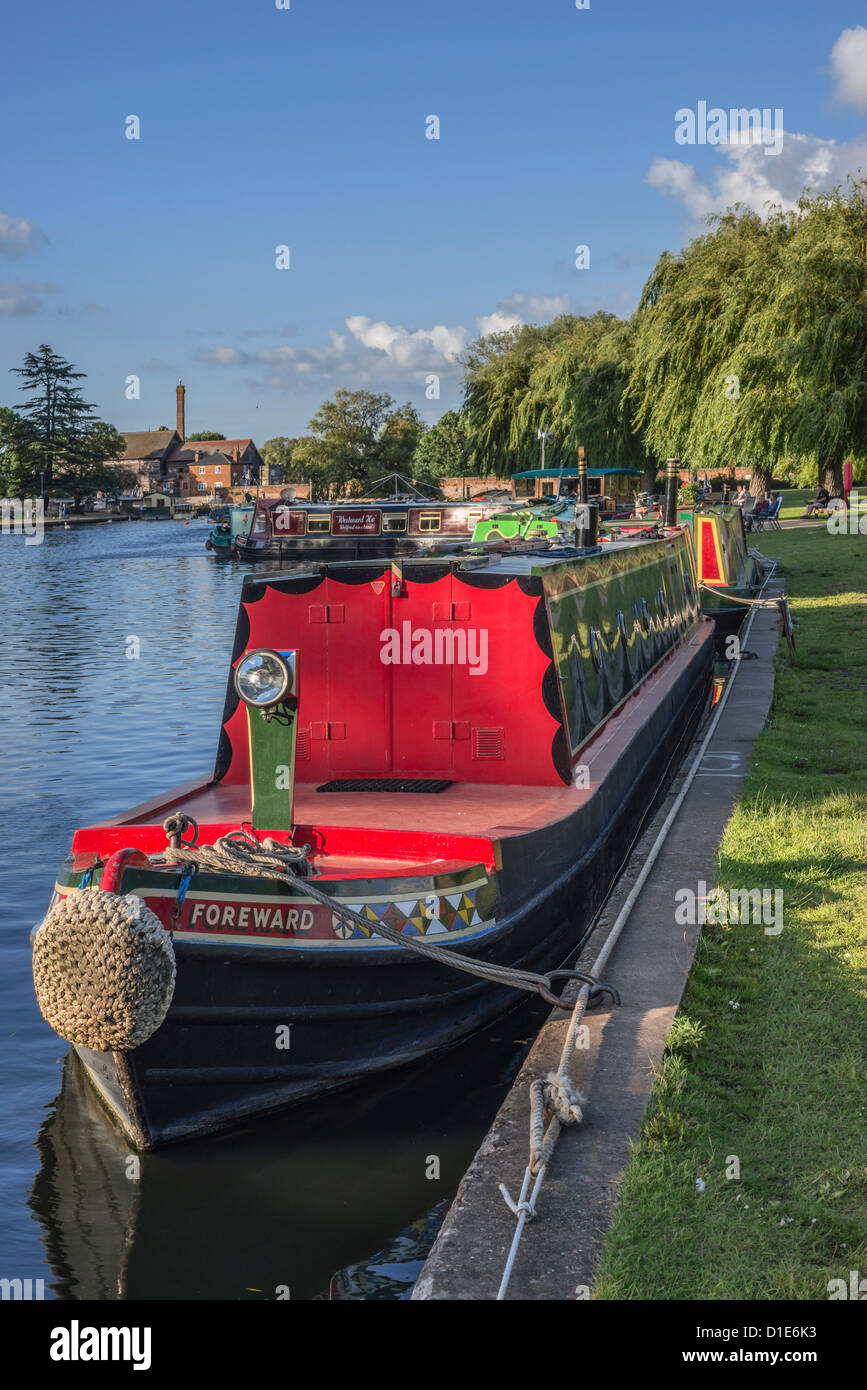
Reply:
x=766, y=1065
x=794, y=502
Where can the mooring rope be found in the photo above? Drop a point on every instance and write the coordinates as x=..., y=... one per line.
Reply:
x=241, y=853
x=558, y=1093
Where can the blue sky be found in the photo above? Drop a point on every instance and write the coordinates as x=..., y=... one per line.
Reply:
x=306, y=127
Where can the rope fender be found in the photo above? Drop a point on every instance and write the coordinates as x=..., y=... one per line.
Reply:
x=103, y=970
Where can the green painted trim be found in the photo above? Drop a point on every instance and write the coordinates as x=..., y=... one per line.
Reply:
x=272, y=765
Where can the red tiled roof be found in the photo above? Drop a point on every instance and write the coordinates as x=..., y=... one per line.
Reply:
x=190, y=447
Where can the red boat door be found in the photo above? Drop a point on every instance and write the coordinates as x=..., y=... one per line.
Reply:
x=421, y=684
x=350, y=733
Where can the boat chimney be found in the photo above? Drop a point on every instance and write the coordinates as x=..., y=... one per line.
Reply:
x=582, y=474
x=586, y=517
x=672, y=480
x=180, y=424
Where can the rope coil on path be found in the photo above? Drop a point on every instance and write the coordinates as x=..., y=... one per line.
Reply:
x=241, y=853
x=103, y=970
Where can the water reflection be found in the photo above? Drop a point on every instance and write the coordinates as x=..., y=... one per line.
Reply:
x=298, y=1202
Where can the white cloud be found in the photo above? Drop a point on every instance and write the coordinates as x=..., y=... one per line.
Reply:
x=18, y=235
x=849, y=66
x=373, y=351
x=523, y=308
x=425, y=348
x=497, y=322
x=22, y=298
x=754, y=178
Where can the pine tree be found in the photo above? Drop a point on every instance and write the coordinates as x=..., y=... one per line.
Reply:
x=59, y=416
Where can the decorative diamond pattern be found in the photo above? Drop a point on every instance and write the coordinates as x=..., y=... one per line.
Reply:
x=416, y=916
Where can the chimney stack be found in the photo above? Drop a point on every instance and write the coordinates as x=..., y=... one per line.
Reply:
x=180, y=426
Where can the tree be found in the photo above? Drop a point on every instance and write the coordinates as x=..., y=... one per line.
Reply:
x=441, y=452
x=497, y=372
x=578, y=392
x=818, y=318
x=309, y=463
x=706, y=382
x=752, y=344
x=359, y=435
x=277, y=453
x=83, y=469
x=203, y=434
x=349, y=428
x=19, y=456
x=55, y=436
x=55, y=409
x=399, y=438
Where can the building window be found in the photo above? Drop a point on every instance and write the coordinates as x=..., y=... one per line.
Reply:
x=394, y=523
x=217, y=468
x=202, y=468
x=318, y=524
x=430, y=521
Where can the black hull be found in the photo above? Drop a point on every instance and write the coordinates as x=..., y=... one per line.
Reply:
x=215, y=1062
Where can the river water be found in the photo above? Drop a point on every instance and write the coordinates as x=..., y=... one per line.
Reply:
x=340, y=1199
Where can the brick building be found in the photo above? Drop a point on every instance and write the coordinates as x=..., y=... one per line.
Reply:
x=163, y=461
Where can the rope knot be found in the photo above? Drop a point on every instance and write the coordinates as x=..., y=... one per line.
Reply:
x=563, y=1098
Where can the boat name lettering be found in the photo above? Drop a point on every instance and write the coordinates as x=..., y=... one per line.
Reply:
x=226, y=916
x=356, y=523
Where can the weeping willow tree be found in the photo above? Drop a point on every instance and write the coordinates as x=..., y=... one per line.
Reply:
x=497, y=373
x=819, y=316
x=751, y=346
x=707, y=383
x=578, y=391
x=569, y=378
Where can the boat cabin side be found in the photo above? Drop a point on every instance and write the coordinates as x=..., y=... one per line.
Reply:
x=422, y=522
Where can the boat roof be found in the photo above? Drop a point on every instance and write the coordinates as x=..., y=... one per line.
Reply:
x=512, y=559
x=364, y=504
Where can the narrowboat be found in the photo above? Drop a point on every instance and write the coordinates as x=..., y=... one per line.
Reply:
x=727, y=573
x=458, y=751
x=293, y=531
x=228, y=531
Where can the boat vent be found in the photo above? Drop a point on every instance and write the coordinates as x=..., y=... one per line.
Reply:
x=488, y=743
x=383, y=784
x=302, y=745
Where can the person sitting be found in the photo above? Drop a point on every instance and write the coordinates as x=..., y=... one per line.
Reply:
x=774, y=511
x=820, y=501
x=758, y=513
x=741, y=497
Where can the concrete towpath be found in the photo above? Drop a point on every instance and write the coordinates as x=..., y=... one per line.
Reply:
x=560, y=1249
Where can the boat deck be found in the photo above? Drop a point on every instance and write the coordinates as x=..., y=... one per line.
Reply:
x=359, y=831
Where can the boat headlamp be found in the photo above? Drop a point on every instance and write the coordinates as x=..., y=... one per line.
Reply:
x=264, y=677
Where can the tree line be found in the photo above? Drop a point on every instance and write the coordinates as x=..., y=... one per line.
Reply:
x=748, y=349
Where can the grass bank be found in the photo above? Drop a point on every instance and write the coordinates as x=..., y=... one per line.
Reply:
x=761, y=1094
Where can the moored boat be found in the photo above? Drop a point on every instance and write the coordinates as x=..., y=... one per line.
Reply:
x=451, y=751
x=229, y=530
x=728, y=574
x=293, y=532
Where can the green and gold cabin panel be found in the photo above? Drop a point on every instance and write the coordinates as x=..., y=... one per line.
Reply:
x=613, y=618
